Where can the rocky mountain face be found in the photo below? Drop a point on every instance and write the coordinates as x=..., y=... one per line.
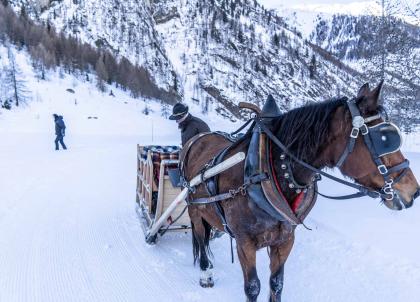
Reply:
x=357, y=37
x=212, y=53
x=367, y=43
x=230, y=51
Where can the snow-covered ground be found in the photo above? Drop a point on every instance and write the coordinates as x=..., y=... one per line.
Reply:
x=69, y=232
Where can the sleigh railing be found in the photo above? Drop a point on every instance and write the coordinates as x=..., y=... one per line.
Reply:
x=161, y=206
x=155, y=193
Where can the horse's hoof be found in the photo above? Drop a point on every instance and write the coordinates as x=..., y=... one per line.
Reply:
x=272, y=298
x=207, y=283
x=206, y=278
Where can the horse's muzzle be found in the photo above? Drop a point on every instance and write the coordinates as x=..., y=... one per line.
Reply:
x=417, y=194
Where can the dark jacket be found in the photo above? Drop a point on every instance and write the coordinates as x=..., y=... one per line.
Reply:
x=60, y=127
x=191, y=127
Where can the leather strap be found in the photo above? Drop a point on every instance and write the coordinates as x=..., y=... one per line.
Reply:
x=232, y=193
x=363, y=189
x=347, y=151
x=212, y=199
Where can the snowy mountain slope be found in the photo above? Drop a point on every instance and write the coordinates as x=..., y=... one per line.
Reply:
x=69, y=231
x=94, y=112
x=239, y=51
x=126, y=28
x=351, y=37
x=215, y=53
x=362, y=41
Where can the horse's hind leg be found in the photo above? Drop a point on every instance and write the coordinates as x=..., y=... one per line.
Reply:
x=278, y=257
x=247, y=257
x=201, y=236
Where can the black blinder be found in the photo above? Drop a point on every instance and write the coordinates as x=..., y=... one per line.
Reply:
x=386, y=138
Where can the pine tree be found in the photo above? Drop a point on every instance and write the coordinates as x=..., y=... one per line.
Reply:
x=165, y=111
x=312, y=67
x=241, y=38
x=276, y=40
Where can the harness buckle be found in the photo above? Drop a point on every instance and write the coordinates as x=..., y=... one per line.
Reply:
x=383, y=169
x=233, y=193
x=354, y=133
x=364, y=129
x=316, y=177
x=243, y=190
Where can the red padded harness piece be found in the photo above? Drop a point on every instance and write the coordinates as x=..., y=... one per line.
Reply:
x=298, y=200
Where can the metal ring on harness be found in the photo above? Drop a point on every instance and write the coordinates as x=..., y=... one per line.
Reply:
x=191, y=190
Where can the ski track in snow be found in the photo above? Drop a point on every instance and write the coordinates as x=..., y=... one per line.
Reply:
x=69, y=232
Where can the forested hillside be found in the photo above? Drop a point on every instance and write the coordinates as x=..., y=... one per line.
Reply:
x=211, y=54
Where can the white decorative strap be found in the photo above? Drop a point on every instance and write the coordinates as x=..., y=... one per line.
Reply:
x=372, y=118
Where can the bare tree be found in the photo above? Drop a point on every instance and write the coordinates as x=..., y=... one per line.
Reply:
x=15, y=81
x=101, y=73
x=42, y=60
x=412, y=11
x=394, y=56
x=386, y=32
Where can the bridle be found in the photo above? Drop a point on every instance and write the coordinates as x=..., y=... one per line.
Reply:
x=370, y=137
x=373, y=143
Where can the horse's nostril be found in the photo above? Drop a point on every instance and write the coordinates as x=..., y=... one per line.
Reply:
x=417, y=194
x=410, y=204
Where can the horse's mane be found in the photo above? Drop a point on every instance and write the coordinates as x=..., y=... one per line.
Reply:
x=305, y=129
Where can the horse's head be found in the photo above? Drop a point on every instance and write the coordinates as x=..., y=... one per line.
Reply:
x=375, y=152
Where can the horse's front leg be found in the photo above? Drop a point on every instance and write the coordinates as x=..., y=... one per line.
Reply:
x=247, y=257
x=278, y=257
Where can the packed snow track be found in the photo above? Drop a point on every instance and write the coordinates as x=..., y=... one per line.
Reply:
x=69, y=232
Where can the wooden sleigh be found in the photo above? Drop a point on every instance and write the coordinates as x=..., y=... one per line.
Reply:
x=161, y=205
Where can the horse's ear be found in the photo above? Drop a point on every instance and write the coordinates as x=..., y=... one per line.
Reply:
x=369, y=100
x=377, y=91
x=363, y=91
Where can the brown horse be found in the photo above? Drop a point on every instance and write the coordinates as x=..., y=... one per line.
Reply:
x=318, y=135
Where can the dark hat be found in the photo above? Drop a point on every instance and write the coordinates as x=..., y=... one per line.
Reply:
x=178, y=111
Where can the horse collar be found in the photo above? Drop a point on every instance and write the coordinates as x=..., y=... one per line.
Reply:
x=287, y=173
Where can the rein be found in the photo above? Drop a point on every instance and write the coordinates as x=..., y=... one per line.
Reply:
x=359, y=126
x=363, y=191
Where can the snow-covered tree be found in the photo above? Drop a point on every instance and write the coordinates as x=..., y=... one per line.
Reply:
x=101, y=74
x=15, y=81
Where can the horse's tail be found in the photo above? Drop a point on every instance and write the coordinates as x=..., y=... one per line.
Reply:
x=196, y=246
x=207, y=235
x=204, y=238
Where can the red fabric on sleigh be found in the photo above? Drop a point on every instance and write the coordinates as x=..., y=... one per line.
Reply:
x=160, y=153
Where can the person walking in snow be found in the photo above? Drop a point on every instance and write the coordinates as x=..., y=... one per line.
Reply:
x=188, y=124
x=60, y=131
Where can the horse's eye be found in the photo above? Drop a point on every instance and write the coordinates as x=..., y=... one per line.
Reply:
x=383, y=138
